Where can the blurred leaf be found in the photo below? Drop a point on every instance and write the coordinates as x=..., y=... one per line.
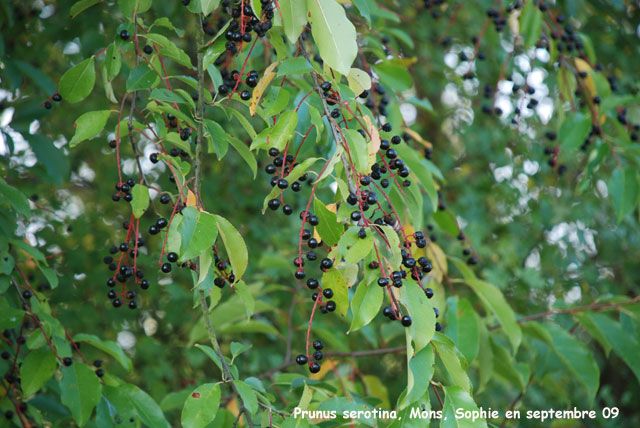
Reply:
x=623, y=187
x=577, y=358
x=109, y=347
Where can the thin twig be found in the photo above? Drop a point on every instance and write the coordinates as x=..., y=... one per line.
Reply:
x=355, y=354
x=595, y=307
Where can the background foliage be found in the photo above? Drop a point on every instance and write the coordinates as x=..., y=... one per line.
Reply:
x=548, y=318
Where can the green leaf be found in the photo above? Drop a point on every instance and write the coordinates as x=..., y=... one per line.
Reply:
x=577, y=358
x=530, y=24
x=77, y=82
x=494, y=301
x=329, y=229
x=294, y=18
x=166, y=95
x=208, y=351
x=357, y=150
x=218, y=137
x=198, y=231
x=208, y=6
x=504, y=365
x=419, y=168
x=37, y=368
x=89, y=125
x=333, y=33
x=107, y=346
x=37, y=76
x=246, y=296
x=245, y=153
x=333, y=279
x=148, y=410
x=352, y=248
x=574, y=131
x=463, y=326
x=423, y=103
x=114, y=408
x=623, y=187
x=365, y=305
x=277, y=135
x=248, y=396
x=595, y=331
x=15, y=198
x=141, y=77
x=112, y=61
x=128, y=7
x=55, y=161
x=421, y=311
x=394, y=74
x=457, y=399
x=201, y=406
x=238, y=348
x=297, y=65
x=452, y=360
x=625, y=345
x=80, y=6
x=421, y=369
x=80, y=391
x=365, y=6
x=236, y=248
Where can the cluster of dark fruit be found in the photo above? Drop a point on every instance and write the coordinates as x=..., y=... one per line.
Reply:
x=55, y=97
x=633, y=128
x=124, y=188
x=280, y=169
x=325, y=264
x=498, y=20
x=224, y=272
x=124, y=273
x=552, y=153
x=432, y=7
x=230, y=80
x=314, y=366
x=370, y=96
x=244, y=21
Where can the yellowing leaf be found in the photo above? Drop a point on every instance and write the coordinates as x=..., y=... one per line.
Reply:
x=262, y=85
x=359, y=80
x=583, y=66
x=374, y=147
x=191, y=199
x=417, y=137
x=325, y=368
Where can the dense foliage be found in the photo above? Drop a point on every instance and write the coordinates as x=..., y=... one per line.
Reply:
x=220, y=213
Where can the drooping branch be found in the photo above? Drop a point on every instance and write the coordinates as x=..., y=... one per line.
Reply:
x=213, y=338
x=334, y=130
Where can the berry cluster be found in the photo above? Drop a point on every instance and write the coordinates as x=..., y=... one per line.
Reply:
x=314, y=366
x=279, y=169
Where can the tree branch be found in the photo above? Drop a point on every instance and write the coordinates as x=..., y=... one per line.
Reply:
x=332, y=124
x=355, y=354
x=226, y=373
x=594, y=307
